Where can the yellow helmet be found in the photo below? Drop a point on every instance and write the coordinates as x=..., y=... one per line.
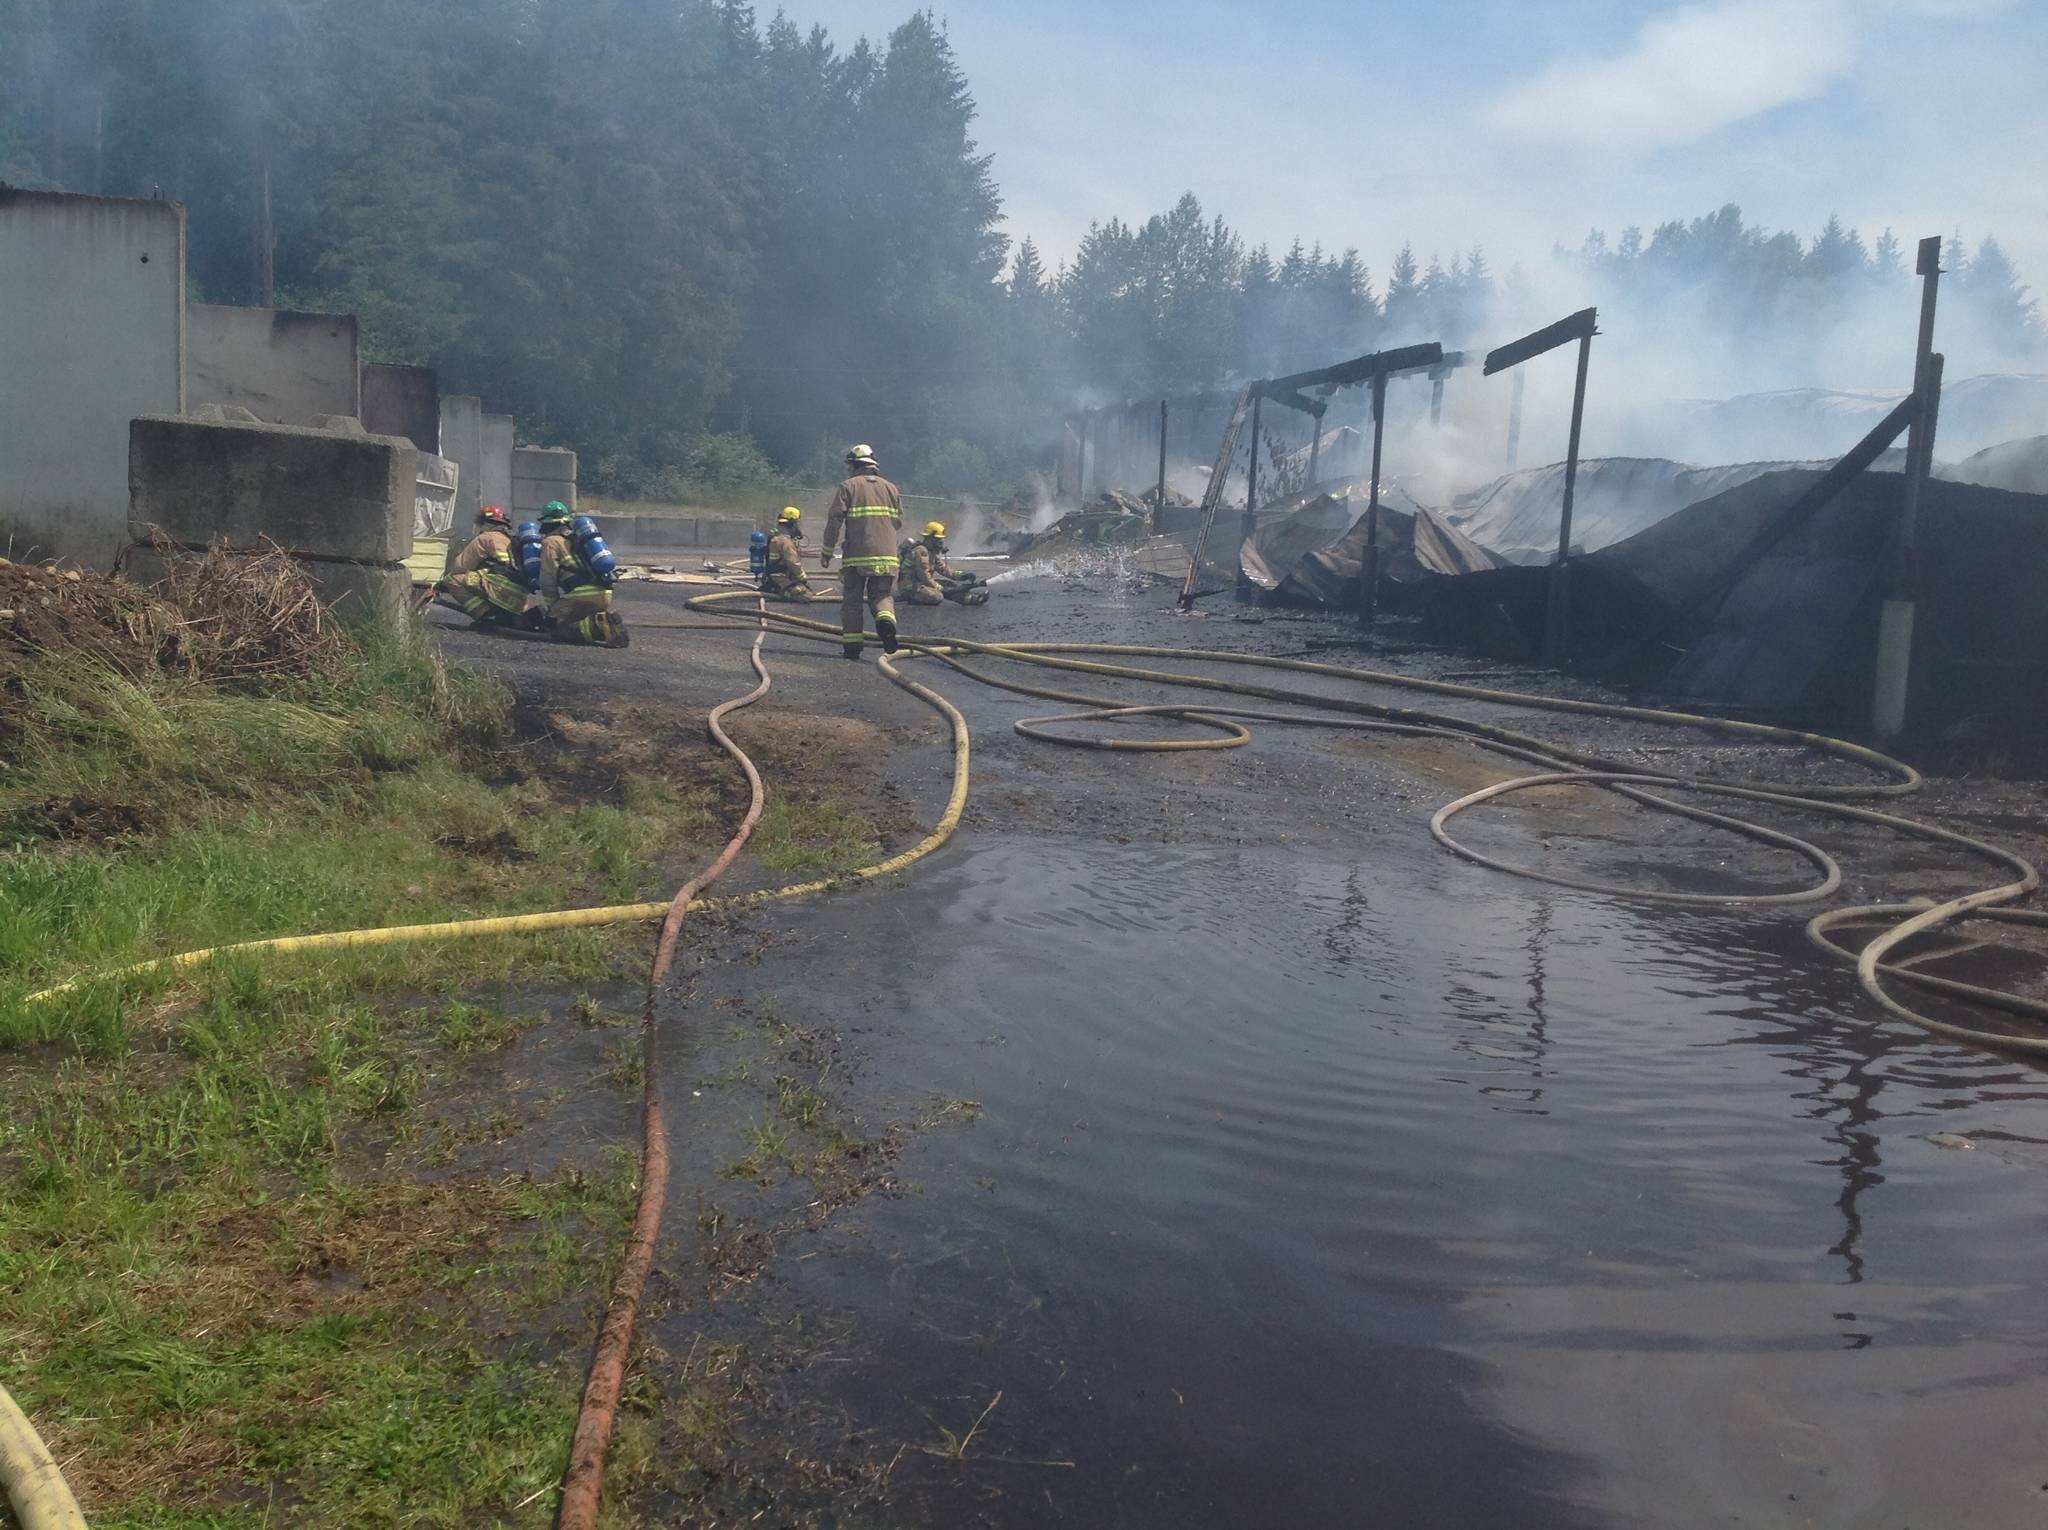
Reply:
x=789, y=513
x=935, y=529
x=860, y=453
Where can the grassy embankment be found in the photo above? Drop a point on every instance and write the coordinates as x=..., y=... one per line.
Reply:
x=245, y=1278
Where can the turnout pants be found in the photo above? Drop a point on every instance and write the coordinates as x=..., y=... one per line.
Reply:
x=586, y=616
x=485, y=595
x=861, y=591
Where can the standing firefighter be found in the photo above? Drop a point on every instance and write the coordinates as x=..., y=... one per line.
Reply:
x=926, y=578
x=869, y=510
x=785, y=573
x=578, y=596
x=483, y=580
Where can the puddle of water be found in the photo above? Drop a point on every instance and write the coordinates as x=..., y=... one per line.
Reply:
x=1313, y=1190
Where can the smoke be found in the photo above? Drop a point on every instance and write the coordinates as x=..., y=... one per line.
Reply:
x=1674, y=373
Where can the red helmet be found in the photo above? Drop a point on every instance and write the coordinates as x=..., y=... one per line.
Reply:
x=495, y=514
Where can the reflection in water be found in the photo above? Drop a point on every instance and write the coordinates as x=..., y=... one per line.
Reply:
x=1233, y=1239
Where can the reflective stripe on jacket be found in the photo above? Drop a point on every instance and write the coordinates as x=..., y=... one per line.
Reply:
x=485, y=547
x=561, y=570
x=869, y=510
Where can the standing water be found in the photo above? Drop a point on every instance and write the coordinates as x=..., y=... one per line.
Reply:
x=1323, y=1179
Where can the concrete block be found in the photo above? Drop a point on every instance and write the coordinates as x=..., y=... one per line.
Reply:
x=462, y=443
x=287, y=367
x=403, y=401
x=317, y=494
x=542, y=473
x=494, y=475
x=338, y=424
x=92, y=322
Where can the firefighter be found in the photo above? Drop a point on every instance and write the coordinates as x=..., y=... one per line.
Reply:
x=483, y=580
x=922, y=567
x=927, y=578
x=579, y=602
x=785, y=575
x=868, y=509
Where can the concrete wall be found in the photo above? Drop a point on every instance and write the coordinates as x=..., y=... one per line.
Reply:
x=403, y=401
x=652, y=532
x=92, y=305
x=286, y=367
x=539, y=474
x=494, y=478
x=340, y=501
x=462, y=442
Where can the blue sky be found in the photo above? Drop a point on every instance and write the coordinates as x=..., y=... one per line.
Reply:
x=1506, y=125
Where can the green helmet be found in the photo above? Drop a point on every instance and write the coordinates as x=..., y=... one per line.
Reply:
x=556, y=514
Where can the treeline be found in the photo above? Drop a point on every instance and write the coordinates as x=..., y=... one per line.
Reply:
x=1752, y=280
x=705, y=250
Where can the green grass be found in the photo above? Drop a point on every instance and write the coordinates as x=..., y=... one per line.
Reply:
x=821, y=836
x=200, y=1301
x=230, y=1291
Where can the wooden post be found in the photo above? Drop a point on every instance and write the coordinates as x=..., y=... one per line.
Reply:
x=1315, y=445
x=1515, y=419
x=1159, y=498
x=1369, y=560
x=1251, y=476
x=1436, y=400
x=1895, y=616
x=1081, y=459
x=1557, y=627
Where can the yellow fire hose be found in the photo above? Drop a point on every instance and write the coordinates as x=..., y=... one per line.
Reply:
x=1586, y=769
x=35, y=1487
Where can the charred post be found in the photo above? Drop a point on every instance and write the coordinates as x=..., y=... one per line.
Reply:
x=1895, y=616
x=1582, y=327
x=1159, y=498
x=1369, y=561
x=1557, y=622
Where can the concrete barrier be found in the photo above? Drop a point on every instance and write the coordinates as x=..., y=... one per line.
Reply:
x=284, y=366
x=403, y=401
x=664, y=531
x=341, y=503
x=494, y=472
x=462, y=443
x=539, y=474
x=92, y=320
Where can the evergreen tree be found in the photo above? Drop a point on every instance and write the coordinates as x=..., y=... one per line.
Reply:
x=1027, y=273
x=1404, y=298
x=1992, y=292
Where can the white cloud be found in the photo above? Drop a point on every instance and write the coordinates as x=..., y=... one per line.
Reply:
x=1689, y=74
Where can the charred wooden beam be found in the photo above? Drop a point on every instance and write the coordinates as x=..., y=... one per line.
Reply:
x=1576, y=326
x=1407, y=358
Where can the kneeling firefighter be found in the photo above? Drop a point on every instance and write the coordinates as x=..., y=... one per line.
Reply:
x=577, y=572
x=784, y=575
x=485, y=582
x=927, y=578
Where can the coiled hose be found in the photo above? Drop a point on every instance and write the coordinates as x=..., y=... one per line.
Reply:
x=1906, y=920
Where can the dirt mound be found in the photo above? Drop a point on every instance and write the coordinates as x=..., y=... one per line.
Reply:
x=217, y=615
